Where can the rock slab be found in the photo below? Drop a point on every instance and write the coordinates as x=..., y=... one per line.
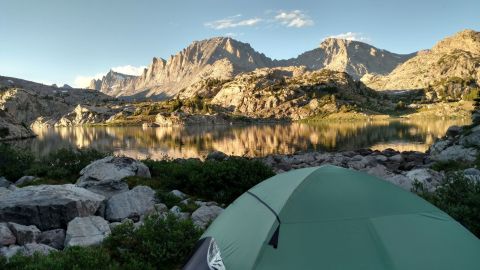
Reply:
x=48, y=206
x=131, y=204
x=86, y=231
x=105, y=176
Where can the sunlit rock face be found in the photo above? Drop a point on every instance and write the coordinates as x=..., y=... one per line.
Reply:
x=223, y=58
x=220, y=57
x=353, y=57
x=456, y=57
x=24, y=104
x=252, y=141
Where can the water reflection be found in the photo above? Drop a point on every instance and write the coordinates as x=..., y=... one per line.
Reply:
x=255, y=140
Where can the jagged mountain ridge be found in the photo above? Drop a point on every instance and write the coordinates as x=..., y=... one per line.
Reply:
x=354, y=57
x=224, y=57
x=456, y=57
x=217, y=57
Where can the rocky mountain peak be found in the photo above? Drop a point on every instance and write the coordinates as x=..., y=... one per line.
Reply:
x=224, y=57
x=466, y=40
x=354, y=57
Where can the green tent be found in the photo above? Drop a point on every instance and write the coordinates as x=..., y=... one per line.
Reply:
x=333, y=218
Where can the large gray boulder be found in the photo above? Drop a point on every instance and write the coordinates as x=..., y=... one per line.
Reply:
x=48, y=206
x=428, y=177
x=4, y=191
x=4, y=182
x=205, y=214
x=6, y=236
x=24, y=234
x=105, y=176
x=401, y=181
x=27, y=179
x=86, y=231
x=456, y=153
x=131, y=204
x=472, y=139
x=54, y=238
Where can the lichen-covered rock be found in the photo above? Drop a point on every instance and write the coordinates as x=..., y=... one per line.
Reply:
x=48, y=206
x=32, y=248
x=24, y=234
x=105, y=176
x=54, y=238
x=86, y=231
x=4, y=191
x=456, y=153
x=25, y=180
x=205, y=214
x=472, y=139
x=6, y=236
x=429, y=178
x=131, y=204
x=178, y=194
x=4, y=182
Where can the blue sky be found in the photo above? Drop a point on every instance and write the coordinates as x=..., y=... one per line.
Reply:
x=58, y=41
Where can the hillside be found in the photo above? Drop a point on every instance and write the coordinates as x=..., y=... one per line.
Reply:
x=453, y=64
x=24, y=103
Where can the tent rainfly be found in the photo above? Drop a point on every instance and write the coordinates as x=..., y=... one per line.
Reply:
x=333, y=218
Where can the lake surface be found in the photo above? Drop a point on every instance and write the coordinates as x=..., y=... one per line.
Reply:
x=253, y=140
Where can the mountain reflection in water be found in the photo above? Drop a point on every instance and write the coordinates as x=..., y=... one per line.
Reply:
x=253, y=140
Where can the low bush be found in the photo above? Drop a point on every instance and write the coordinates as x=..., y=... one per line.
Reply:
x=64, y=164
x=59, y=167
x=70, y=258
x=13, y=163
x=158, y=244
x=220, y=181
x=459, y=197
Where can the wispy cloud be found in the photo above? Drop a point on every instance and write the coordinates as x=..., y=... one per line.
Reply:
x=232, y=22
x=82, y=81
x=351, y=36
x=294, y=18
x=129, y=70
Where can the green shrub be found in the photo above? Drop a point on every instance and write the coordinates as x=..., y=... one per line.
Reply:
x=4, y=132
x=167, y=198
x=70, y=258
x=450, y=165
x=459, y=197
x=160, y=243
x=64, y=164
x=13, y=163
x=220, y=181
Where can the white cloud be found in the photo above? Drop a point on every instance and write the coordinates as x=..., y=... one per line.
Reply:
x=82, y=81
x=232, y=22
x=130, y=70
x=350, y=36
x=294, y=18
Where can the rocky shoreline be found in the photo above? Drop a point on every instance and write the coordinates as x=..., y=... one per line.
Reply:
x=45, y=218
